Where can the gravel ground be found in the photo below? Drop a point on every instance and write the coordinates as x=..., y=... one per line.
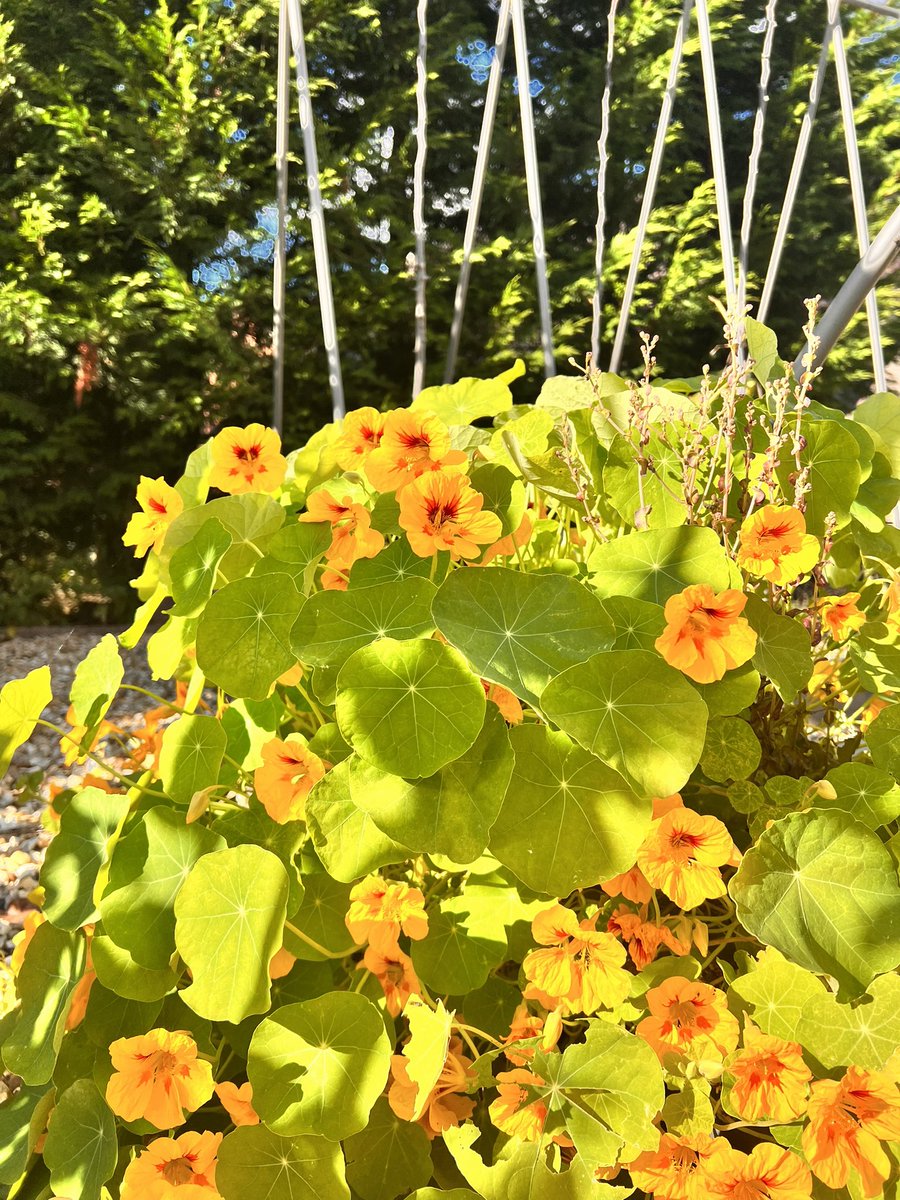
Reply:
x=39, y=763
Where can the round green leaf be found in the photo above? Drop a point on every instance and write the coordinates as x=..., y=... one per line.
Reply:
x=82, y=1147
x=251, y=519
x=831, y=455
x=468, y=399
x=883, y=740
x=409, y=707
x=318, y=1067
x=568, y=820
x=869, y=795
x=388, y=1157
x=253, y=824
x=243, y=637
x=332, y=625
x=731, y=694
x=660, y=490
x=637, y=623
x=503, y=494
x=193, y=748
x=393, y=564
x=76, y=855
x=146, y=873
x=118, y=972
x=517, y=629
x=253, y=1161
x=299, y=547
x=321, y=917
x=465, y=942
x=654, y=564
x=193, y=568
x=452, y=811
x=783, y=652
x=862, y=1035
x=346, y=839
x=18, y=1113
x=823, y=889
x=229, y=918
x=775, y=993
x=732, y=750
x=636, y=713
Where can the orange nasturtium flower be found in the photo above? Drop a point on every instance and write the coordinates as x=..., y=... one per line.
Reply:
x=247, y=460
x=643, y=938
x=770, y=1080
x=631, y=885
x=157, y=1076
x=182, y=1168
x=289, y=770
x=848, y=1119
x=508, y=545
x=690, y=1019
x=578, y=969
x=775, y=544
x=353, y=536
x=681, y=856
x=522, y=1027
x=512, y=1112
x=705, y=634
x=238, y=1102
x=380, y=909
x=395, y=972
x=22, y=940
x=508, y=703
x=361, y=433
x=445, y=1106
x=675, y=1169
x=440, y=511
x=160, y=505
x=768, y=1172
x=411, y=444
x=840, y=615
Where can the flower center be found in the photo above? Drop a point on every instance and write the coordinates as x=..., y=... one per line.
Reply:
x=158, y=507
x=177, y=1172
x=247, y=454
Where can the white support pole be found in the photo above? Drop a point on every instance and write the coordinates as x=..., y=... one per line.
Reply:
x=759, y=123
x=282, y=126
x=601, y=183
x=482, y=158
x=662, y=125
x=419, y=196
x=857, y=187
x=859, y=284
x=532, y=182
x=717, y=151
x=316, y=210
x=793, y=185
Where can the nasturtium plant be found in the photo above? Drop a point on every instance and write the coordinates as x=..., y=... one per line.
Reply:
x=522, y=822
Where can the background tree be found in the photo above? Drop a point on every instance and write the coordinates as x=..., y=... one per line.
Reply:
x=135, y=226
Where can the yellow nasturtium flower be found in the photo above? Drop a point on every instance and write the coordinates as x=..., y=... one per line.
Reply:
x=159, y=504
x=775, y=544
x=157, y=1077
x=247, y=460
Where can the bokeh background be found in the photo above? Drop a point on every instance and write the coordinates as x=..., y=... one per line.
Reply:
x=136, y=223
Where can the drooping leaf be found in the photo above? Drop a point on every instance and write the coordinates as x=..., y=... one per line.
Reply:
x=346, y=839
x=243, y=636
x=148, y=867
x=762, y=346
x=193, y=567
x=17, y=1112
x=464, y=943
x=229, y=917
x=21, y=703
x=517, y=629
x=82, y=1148
x=96, y=682
x=319, y=1066
x=869, y=795
x=76, y=855
x=783, y=652
x=426, y=1050
x=409, y=707
x=450, y=812
x=881, y=415
x=120, y=973
x=388, y=1157
x=608, y=1089
x=193, y=748
x=654, y=564
x=52, y=968
x=567, y=820
x=332, y=625
x=253, y=1161
x=823, y=889
x=634, y=712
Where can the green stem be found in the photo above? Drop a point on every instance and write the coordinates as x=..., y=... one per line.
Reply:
x=298, y=933
x=101, y=762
